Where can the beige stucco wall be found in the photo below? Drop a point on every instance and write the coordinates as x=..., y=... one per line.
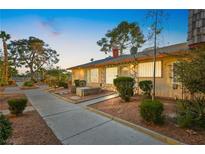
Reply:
x=164, y=84
x=78, y=74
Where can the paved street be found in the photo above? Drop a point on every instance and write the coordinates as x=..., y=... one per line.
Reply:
x=73, y=124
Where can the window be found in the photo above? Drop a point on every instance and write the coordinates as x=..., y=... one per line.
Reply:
x=174, y=75
x=146, y=69
x=88, y=76
x=94, y=75
x=111, y=73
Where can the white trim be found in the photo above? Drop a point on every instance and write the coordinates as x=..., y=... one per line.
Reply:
x=111, y=73
x=94, y=75
x=145, y=69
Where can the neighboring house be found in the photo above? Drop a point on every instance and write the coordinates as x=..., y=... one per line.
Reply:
x=100, y=73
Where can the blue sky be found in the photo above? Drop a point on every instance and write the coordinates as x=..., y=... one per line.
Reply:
x=74, y=33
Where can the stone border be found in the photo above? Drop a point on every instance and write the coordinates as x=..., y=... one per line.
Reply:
x=27, y=109
x=28, y=88
x=154, y=134
x=77, y=102
x=63, y=98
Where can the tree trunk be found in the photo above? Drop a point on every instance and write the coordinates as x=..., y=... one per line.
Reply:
x=155, y=52
x=32, y=73
x=5, y=65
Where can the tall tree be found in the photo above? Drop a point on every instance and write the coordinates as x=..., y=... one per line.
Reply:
x=125, y=36
x=156, y=19
x=5, y=37
x=1, y=67
x=33, y=53
x=190, y=71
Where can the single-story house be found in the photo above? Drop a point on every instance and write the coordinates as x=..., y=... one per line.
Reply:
x=100, y=73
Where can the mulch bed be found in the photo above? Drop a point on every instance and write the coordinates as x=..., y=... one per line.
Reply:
x=130, y=112
x=30, y=129
x=5, y=97
x=66, y=93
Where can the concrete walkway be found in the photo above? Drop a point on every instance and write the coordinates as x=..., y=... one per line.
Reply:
x=73, y=124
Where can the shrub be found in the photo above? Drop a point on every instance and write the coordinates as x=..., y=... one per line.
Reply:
x=5, y=129
x=191, y=113
x=82, y=83
x=63, y=84
x=77, y=83
x=146, y=87
x=125, y=87
x=11, y=82
x=2, y=83
x=151, y=111
x=28, y=83
x=51, y=81
x=17, y=106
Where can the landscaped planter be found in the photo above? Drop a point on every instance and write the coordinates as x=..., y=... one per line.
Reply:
x=29, y=128
x=71, y=97
x=130, y=112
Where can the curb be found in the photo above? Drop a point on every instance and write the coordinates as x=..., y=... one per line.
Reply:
x=63, y=98
x=27, y=109
x=74, y=102
x=149, y=132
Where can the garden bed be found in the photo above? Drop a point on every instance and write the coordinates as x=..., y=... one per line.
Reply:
x=30, y=129
x=72, y=97
x=5, y=97
x=130, y=112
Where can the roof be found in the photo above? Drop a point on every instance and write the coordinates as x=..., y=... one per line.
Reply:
x=145, y=54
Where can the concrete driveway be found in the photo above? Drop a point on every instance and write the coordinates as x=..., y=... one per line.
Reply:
x=73, y=124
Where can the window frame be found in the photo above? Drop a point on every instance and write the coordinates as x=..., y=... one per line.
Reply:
x=106, y=74
x=145, y=76
x=173, y=78
x=91, y=70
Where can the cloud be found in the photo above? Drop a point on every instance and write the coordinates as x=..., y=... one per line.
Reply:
x=51, y=26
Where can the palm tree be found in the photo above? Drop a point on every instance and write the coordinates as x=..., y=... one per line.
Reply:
x=5, y=37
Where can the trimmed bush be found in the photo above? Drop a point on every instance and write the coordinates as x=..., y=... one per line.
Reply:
x=2, y=83
x=146, y=86
x=82, y=83
x=28, y=83
x=191, y=113
x=151, y=111
x=17, y=106
x=63, y=84
x=77, y=83
x=125, y=87
x=5, y=129
x=11, y=82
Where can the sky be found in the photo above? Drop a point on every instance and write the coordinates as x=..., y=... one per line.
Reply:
x=74, y=33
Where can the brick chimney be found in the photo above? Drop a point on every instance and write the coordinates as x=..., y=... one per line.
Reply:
x=115, y=51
